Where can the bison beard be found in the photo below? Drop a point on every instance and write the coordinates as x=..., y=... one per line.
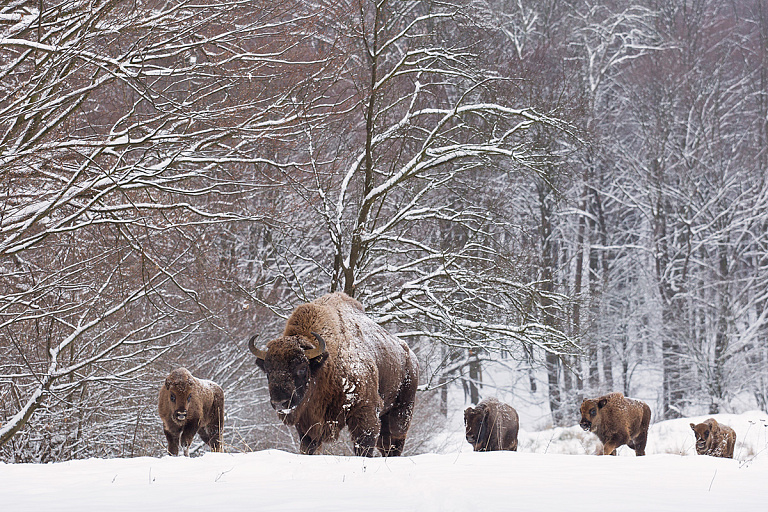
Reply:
x=491, y=426
x=617, y=420
x=188, y=406
x=334, y=367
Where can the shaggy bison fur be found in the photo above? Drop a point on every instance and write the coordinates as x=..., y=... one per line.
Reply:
x=188, y=406
x=491, y=426
x=714, y=439
x=617, y=420
x=335, y=367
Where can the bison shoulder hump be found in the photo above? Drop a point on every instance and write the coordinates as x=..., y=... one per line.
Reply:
x=304, y=319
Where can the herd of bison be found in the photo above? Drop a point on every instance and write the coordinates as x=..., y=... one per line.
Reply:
x=334, y=367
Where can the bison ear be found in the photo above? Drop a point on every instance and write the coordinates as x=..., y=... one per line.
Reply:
x=602, y=403
x=693, y=427
x=317, y=361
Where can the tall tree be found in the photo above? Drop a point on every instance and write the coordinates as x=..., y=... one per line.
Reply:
x=410, y=229
x=120, y=124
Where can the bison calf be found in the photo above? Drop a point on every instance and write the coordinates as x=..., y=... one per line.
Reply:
x=714, y=439
x=491, y=426
x=617, y=420
x=188, y=405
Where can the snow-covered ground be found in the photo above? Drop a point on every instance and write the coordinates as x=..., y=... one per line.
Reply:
x=544, y=475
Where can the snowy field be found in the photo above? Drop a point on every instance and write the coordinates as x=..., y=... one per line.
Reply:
x=551, y=472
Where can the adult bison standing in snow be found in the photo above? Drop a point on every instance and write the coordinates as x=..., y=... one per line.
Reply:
x=335, y=367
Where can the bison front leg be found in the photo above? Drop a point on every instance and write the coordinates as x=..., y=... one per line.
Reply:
x=610, y=445
x=309, y=445
x=364, y=431
x=364, y=445
x=173, y=441
x=187, y=435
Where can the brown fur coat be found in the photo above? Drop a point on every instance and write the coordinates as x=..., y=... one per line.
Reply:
x=187, y=406
x=715, y=439
x=334, y=367
x=617, y=420
x=491, y=425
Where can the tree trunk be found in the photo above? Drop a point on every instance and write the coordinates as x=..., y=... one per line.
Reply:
x=475, y=378
x=553, y=380
x=672, y=389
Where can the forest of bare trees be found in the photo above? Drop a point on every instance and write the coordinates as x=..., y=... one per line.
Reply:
x=578, y=188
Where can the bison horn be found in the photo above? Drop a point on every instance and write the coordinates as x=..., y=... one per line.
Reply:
x=260, y=354
x=320, y=350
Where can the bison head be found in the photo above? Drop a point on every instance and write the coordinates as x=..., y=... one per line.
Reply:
x=474, y=424
x=289, y=362
x=704, y=435
x=179, y=385
x=590, y=408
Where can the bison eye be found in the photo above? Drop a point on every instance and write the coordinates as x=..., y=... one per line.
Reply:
x=189, y=398
x=173, y=398
x=301, y=372
x=706, y=434
x=592, y=412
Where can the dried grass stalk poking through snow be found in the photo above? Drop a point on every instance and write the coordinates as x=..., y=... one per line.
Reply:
x=335, y=367
x=714, y=439
x=188, y=406
x=617, y=420
x=491, y=426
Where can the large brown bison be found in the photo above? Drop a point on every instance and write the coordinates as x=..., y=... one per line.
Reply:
x=190, y=406
x=491, y=426
x=715, y=439
x=335, y=367
x=617, y=420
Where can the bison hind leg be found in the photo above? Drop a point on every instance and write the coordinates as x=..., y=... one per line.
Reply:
x=638, y=444
x=394, y=427
x=395, y=423
x=390, y=446
x=212, y=437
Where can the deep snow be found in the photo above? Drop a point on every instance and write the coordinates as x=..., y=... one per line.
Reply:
x=540, y=477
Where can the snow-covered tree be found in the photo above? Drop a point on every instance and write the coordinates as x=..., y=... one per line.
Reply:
x=122, y=151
